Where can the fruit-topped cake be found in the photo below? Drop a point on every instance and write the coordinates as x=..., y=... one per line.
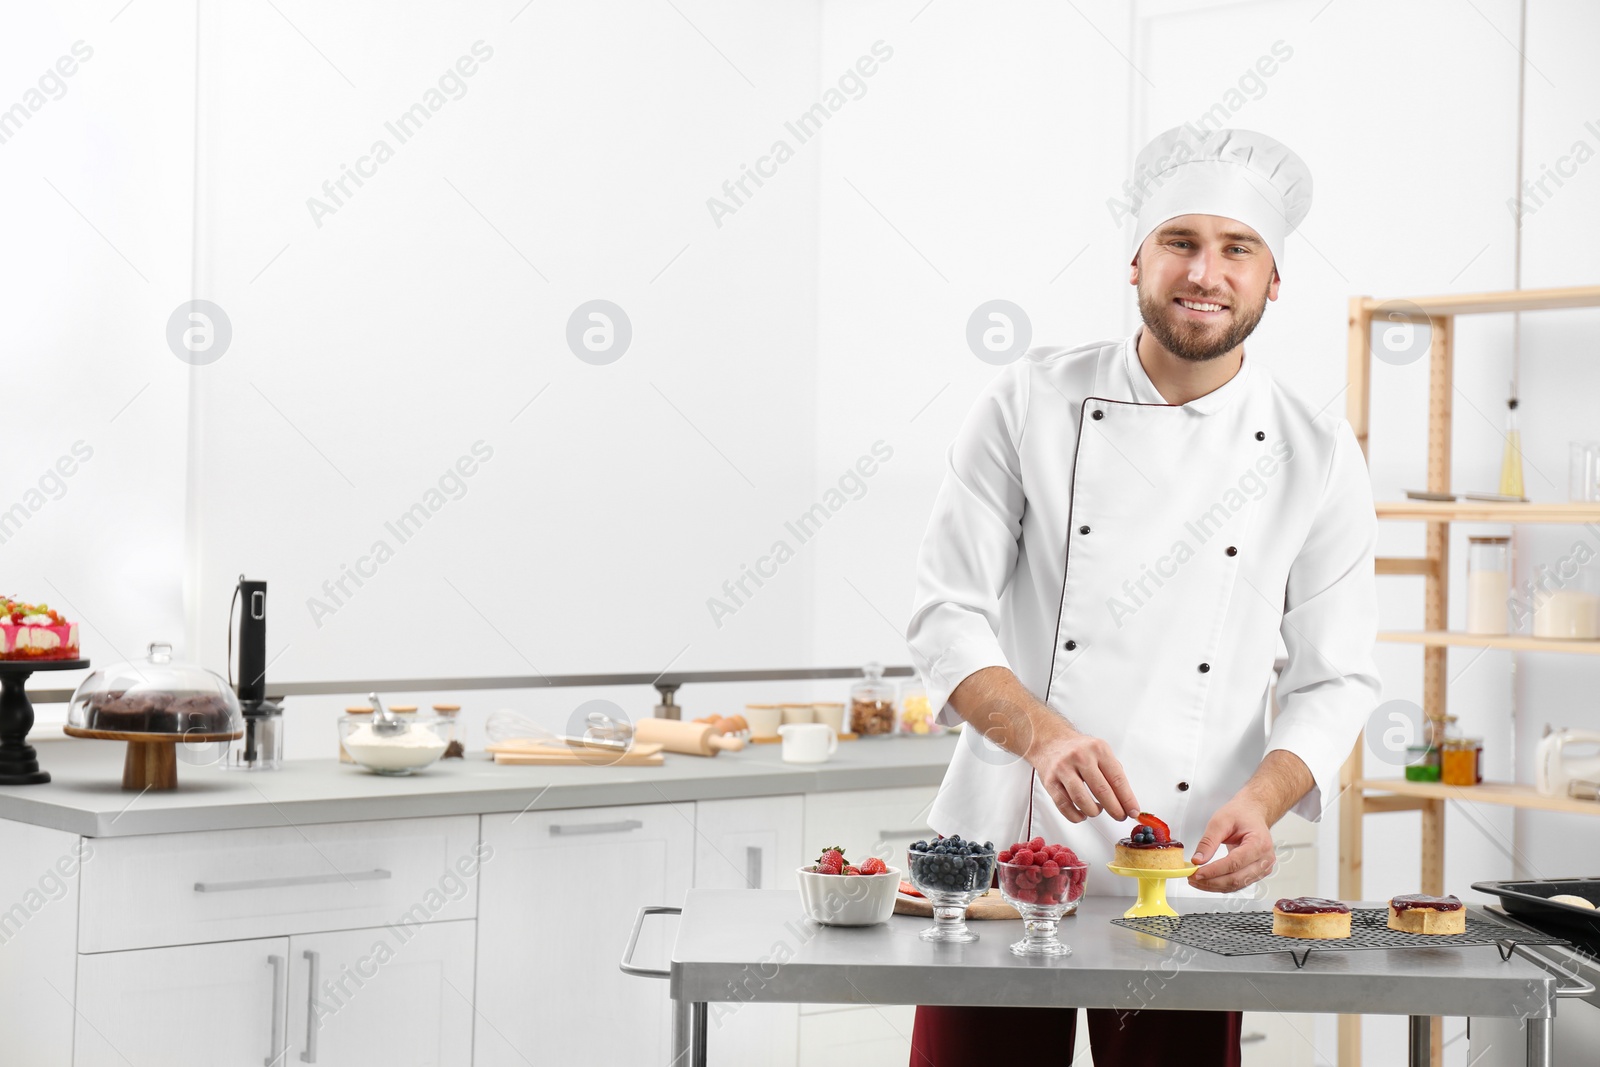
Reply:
x=1315, y=918
x=35, y=632
x=1417, y=913
x=1150, y=847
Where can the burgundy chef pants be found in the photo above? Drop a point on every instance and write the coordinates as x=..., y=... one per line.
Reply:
x=975, y=1036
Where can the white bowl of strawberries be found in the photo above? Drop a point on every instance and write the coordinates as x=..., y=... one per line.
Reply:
x=835, y=892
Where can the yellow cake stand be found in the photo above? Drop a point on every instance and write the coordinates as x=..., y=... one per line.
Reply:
x=1152, y=888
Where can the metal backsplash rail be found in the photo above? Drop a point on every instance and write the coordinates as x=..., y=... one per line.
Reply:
x=666, y=683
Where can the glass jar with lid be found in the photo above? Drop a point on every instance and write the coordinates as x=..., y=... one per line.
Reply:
x=872, y=703
x=916, y=717
x=1461, y=761
x=1488, y=584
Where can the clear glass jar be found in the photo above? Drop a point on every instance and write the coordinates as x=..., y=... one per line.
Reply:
x=1488, y=584
x=1566, y=600
x=872, y=704
x=1422, y=763
x=1583, y=472
x=915, y=716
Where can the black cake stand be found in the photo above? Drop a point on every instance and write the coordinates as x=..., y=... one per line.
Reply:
x=19, y=764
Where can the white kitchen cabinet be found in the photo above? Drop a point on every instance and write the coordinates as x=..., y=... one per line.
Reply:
x=750, y=844
x=220, y=1005
x=559, y=891
x=398, y=996
x=38, y=932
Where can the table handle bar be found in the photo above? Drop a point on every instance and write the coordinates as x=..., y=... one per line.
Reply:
x=1580, y=988
x=627, y=965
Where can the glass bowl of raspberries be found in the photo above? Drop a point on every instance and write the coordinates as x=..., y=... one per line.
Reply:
x=1044, y=883
x=951, y=873
x=836, y=892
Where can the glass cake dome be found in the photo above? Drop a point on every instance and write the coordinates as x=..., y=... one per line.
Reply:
x=156, y=695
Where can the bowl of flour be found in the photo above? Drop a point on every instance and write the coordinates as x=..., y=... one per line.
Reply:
x=417, y=746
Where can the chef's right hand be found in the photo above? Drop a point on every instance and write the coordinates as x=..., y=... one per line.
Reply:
x=1083, y=777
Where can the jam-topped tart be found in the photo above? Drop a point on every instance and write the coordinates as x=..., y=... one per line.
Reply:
x=1418, y=913
x=35, y=632
x=1150, y=847
x=1314, y=918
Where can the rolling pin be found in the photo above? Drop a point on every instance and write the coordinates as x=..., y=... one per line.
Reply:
x=690, y=738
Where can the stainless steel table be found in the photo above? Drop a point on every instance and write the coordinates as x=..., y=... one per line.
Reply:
x=751, y=946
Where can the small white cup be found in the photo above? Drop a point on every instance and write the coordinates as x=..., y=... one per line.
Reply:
x=797, y=713
x=808, y=742
x=763, y=719
x=831, y=714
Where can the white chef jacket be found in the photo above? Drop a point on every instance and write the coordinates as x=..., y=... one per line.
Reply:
x=1135, y=563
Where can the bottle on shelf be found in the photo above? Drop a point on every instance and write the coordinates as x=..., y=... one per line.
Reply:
x=1511, y=460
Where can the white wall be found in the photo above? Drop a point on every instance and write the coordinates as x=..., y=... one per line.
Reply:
x=96, y=173
x=426, y=313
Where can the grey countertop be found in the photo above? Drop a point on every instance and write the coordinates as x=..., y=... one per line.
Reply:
x=85, y=794
x=758, y=945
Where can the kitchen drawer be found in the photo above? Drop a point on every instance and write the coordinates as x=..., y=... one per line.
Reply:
x=175, y=889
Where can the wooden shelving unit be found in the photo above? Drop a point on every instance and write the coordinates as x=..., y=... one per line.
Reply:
x=1360, y=795
x=1502, y=794
x=1514, y=642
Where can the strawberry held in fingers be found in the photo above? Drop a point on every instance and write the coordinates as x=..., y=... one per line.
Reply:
x=1150, y=846
x=1156, y=827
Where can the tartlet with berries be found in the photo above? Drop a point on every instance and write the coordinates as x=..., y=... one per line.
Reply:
x=35, y=632
x=1418, y=913
x=1150, y=847
x=1311, y=918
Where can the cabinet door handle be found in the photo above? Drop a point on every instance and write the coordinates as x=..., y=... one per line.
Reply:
x=377, y=875
x=752, y=866
x=913, y=833
x=621, y=826
x=279, y=1010
x=1252, y=1037
x=310, y=1054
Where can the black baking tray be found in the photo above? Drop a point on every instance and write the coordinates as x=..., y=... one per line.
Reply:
x=1527, y=901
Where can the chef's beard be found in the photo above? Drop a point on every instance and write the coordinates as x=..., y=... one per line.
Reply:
x=1196, y=342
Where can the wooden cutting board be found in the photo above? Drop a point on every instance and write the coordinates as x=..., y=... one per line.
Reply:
x=989, y=906
x=524, y=752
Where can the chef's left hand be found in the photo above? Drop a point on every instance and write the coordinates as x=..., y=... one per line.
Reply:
x=1241, y=824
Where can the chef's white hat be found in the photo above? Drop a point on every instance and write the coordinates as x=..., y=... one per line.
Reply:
x=1238, y=174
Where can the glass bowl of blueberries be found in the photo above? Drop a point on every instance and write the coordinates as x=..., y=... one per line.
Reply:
x=951, y=873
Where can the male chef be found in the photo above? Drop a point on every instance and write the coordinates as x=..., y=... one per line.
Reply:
x=1124, y=532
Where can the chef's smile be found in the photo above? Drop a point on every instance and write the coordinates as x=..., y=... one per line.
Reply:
x=1201, y=310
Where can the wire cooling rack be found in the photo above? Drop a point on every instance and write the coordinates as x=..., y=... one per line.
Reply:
x=1249, y=933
